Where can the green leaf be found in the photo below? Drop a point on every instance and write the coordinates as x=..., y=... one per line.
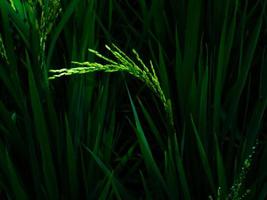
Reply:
x=12, y=175
x=191, y=45
x=71, y=163
x=116, y=185
x=203, y=156
x=220, y=169
x=181, y=170
x=42, y=138
x=225, y=47
x=151, y=164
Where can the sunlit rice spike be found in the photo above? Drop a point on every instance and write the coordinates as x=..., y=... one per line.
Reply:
x=123, y=54
x=119, y=57
x=153, y=70
x=124, y=64
x=58, y=70
x=107, y=47
x=101, y=56
x=80, y=63
x=140, y=60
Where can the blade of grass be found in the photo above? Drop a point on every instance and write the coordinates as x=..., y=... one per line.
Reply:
x=42, y=138
x=191, y=46
x=145, y=148
x=238, y=87
x=145, y=184
x=170, y=172
x=152, y=125
x=17, y=188
x=222, y=181
x=71, y=163
x=163, y=73
x=203, y=156
x=181, y=170
x=203, y=104
x=105, y=193
x=225, y=46
x=116, y=185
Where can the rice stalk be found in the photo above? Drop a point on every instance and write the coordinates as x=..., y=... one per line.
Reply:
x=122, y=64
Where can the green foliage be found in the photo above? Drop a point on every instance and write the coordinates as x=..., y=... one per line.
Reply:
x=190, y=126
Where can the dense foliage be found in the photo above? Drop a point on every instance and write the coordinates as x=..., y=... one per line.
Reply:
x=183, y=116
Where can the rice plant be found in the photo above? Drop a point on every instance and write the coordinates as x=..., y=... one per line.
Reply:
x=184, y=118
x=124, y=64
